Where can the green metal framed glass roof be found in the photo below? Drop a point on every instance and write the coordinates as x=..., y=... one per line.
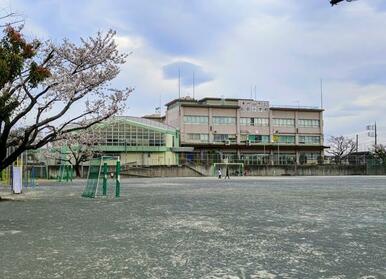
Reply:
x=140, y=122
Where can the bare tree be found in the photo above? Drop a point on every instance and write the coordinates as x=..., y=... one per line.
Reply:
x=340, y=148
x=48, y=90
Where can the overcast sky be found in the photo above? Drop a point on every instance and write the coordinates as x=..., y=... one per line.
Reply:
x=284, y=47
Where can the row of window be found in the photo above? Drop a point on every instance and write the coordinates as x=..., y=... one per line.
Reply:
x=192, y=119
x=198, y=137
x=283, y=139
x=309, y=156
x=313, y=123
x=309, y=139
x=283, y=122
x=282, y=158
x=205, y=137
x=251, y=121
x=258, y=139
x=221, y=120
x=224, y=137
x=127, y=135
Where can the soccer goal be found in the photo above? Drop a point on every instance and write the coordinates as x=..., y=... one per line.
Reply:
x=234, y=169
x=102, y=173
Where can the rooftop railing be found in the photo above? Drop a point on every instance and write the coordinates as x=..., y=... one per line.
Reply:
x=295, y=107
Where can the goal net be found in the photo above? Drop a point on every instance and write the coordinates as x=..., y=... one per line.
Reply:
x=234, y=169
x=101, y=171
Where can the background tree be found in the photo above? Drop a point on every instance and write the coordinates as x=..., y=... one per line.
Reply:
x=74, y=149
x=379, y=152
x=340, y=148
x=48, y=90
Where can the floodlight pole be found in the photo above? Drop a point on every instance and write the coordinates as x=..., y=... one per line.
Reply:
x=375, y=139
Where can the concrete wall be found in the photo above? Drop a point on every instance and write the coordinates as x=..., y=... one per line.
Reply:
x=149, y=158
x=161, y=171
x=323, y=170
x=192, y=171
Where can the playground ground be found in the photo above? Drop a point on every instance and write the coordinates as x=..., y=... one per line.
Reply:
x=295, y=227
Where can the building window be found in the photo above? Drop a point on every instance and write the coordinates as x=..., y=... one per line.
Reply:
x=255, y=159
x=309, y=157
x=224, y=137
x=223, y=120
x=309, y=139
x=284, y=122
x=250, y=121
x=284, y=159
x=312, y=156
x=198, y=137
x=261, y=121
x=195, y=119
x=307, y=123
x=258, y=139
x=127, y=135
x=285, y=139
x=244, y=121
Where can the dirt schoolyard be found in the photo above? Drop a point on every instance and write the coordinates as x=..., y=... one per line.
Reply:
x=284, y=227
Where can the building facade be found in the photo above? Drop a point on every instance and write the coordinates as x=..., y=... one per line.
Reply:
x=247, y=131
x=138, y=141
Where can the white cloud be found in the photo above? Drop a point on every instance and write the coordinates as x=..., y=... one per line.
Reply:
x=282, y=47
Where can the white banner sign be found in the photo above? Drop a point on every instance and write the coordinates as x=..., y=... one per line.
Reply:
x=17, y=182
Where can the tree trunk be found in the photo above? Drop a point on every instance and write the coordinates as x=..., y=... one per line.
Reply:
x=77, y=170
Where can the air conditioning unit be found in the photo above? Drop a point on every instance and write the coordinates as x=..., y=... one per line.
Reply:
x=227, y=142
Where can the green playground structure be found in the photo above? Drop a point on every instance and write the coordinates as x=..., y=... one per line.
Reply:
x=65, y=172
x=99, y=170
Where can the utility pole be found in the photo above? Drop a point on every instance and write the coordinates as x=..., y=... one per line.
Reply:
x=357, y=143
x=372, y=132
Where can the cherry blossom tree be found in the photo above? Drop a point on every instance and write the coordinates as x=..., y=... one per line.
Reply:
x=49, y=90
x=74, y=149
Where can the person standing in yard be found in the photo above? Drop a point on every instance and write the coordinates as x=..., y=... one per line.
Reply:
x=219, y=173
x=227, y=173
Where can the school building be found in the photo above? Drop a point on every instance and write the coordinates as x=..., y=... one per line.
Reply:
x=246, y=131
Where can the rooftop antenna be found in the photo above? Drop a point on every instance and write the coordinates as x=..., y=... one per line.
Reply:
x=251, y=92
x=160, y=103
x=179, y=91
x=179, y=83
x=321, y=93
x=255, y=92
x=193, y=85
